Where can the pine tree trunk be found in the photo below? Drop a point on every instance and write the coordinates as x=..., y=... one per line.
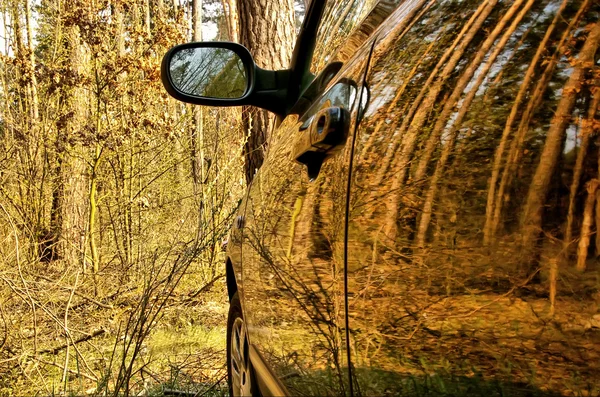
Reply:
x=394, y=102
x=413, y=124
x=420, y=109
x=488, y=230
x=535, y=99
x=589, y=128
x=267, y=29
x=586, y=225
x=466, y=103
x=230, y=9
x=466, y=77
x=538, y=190
x=553, y=277
x=586, y=133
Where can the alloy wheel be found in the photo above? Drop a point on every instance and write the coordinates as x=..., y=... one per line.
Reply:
x=239, y=360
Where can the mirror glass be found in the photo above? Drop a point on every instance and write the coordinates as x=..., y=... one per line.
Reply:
x=209, y=72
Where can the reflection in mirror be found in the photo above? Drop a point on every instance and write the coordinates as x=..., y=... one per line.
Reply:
x=209, y=72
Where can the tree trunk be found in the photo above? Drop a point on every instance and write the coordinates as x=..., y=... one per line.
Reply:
x=230, y=9
x=536, y=98
x=93, y=212
x=586, y=133
x=449, y=106
x=160, y=9
x=420, y=110
x=589, y=128
x=586, y=225
x=30, y=49
x=147, y=16
x=488, y=230
x=532, y=214
x=267, y=29
x=394, y=102
x=197, y=133
x=466, y=77
x=553, y=278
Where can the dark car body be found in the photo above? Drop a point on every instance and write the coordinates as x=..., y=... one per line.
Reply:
x=445, y=243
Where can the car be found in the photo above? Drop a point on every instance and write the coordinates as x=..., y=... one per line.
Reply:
x=425, y=220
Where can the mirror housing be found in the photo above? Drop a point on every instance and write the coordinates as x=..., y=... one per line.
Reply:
x=265, y=89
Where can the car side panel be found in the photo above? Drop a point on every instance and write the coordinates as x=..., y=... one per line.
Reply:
x=293, y=253
x=306, y=348
x=468, y=203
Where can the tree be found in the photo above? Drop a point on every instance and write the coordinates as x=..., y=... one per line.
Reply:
x=421, y=108
x=538, y=190
x=266, y=28
x=493, y=220
x=197, y=134
x=98, y=208
x=489, y=228
x=448, y=109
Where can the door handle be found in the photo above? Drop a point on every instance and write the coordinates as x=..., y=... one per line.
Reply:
x=324, y=136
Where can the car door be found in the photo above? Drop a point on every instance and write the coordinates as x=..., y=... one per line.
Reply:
x=468, y=215
x=292, y=256
x=293, y=244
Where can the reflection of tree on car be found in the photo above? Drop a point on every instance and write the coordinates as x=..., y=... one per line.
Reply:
x=229, y=82
x=209, y=72
x=428, y=254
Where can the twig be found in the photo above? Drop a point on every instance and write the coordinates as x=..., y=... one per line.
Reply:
x=409, y=337
x=18, y=258
x=68, y=370
x=430, y=331
x=64, y=378
x=211, y=388
x=495, y=300
x=205, y=288
x=5, y=339
x=94, y=301
x=85, y=338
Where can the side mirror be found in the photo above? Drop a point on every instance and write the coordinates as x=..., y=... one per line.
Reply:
x=222, y=74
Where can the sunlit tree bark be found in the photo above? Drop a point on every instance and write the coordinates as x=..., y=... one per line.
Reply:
x=465, y=105
x=267, y=30
x=417, y=115
x=489, y=230
x=586, y=224
x=586, y=135
x=394, y=102
x=422, y=105
x=230, y=9
x=30, y=49
x=535, y=99
x=466, y=77
x=198, y=132
x=533, y=210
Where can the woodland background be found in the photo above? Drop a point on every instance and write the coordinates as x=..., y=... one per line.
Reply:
x=115, y=199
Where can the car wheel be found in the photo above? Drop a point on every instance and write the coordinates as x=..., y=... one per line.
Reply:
x=239, y=368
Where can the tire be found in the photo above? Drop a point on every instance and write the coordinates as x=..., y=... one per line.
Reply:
x=240, y=375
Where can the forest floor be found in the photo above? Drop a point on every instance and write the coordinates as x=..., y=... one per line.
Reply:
x=509, y=341
x=188, y=347
x=184, y=351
